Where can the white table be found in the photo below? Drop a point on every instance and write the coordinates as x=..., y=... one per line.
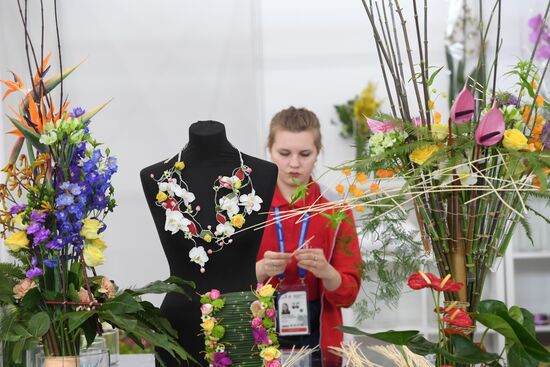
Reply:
x=136, y=360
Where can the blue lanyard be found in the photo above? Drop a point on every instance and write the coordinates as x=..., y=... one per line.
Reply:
x=280, y=237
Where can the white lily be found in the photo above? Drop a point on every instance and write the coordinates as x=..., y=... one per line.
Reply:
x=251, y=202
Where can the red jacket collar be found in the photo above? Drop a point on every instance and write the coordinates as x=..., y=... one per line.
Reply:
x=313, y=192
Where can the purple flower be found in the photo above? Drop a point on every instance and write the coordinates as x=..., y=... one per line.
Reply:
x=34, y=227
x=64, y=200
x=260, y=336
x=41, y=236
x=66, y=227
x=61, y=215
x=537, y=26
x=221, y=359
x=545, y=136
x=505, y=99
x=36, y=216
x=57, y=243
x=18, y=208
x=51, y=263
x=77, y=112
x=112, y=164
x=34, y=272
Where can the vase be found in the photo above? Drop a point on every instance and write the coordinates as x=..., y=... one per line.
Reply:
x=88, y=358
x=72, y=361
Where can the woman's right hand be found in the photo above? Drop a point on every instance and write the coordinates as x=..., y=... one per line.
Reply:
x=273, y=263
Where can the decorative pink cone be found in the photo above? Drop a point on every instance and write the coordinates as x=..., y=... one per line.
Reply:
x=463, y=108
x=491, y=128
x=379, y=127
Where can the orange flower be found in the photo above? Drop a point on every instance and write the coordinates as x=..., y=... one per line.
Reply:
x=361, y=178
x=360, y=208
x=346, y=171
x=536, y=182
x=384, y=173
x=374, y=187
x=539, y=101
x=340, y=189
x=539, y=119
x=437, y=117
x=526, y=112
x=357, y=192
x=534, y=84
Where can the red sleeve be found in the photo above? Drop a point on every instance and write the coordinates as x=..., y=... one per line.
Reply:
x=346, y=259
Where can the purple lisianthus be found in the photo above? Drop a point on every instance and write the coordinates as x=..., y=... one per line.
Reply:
x=260, y=336
x=34, y=227
x=37, y=216
x=537, y=26
x=41, y=236
x=545, y=136
x=77, y=112
x=221, y=359
x=34, y=271
x=17, y=208
x=505, y=99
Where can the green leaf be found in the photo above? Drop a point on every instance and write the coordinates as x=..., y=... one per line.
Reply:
x=88, y=115
x=336, y=217
x=518, y=357
x=421, y=346
x=18, y=351
x=32, y=300
x=171, y=284
x=498, y=324
x=121, y=304
x=468, y=352
x=528, y=321
x=39, y=324
x=299, y=193
x=432, y=77
x=492, y=306
x=391, y=336
x=90, y=330
x=77, y=318
x=531, y=345
x=516, y=314
x=32, y=136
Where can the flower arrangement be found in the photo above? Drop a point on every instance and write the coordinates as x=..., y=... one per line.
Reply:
x=263, y=325
x=174, y=196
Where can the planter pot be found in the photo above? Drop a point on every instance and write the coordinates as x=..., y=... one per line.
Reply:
x=61, y=362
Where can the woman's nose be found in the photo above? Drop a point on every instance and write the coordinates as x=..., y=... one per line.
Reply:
x=294, y=161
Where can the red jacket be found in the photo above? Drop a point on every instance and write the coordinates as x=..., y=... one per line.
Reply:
x=341, y=249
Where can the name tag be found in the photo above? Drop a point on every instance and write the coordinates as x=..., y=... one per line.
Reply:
x=292, y=312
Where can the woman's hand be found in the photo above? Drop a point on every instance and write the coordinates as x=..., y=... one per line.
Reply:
x=314, y=261
x=273, y=263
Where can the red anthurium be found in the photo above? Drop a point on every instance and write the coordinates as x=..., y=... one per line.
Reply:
x=379, y=127
x=491, y=128
x=220, y=218
x=192, y=228
x=463, y=108
x=448, y=331
x=458, y=317
x=421, y=280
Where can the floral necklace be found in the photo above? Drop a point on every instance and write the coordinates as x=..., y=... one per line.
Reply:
x=174, y=196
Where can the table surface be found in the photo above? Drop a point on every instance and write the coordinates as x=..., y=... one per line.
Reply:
x=136, y=360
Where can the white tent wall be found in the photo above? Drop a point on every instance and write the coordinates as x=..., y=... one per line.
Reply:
x=169, y=63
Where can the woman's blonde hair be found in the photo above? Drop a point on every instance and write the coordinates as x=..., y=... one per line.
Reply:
x=295, y=120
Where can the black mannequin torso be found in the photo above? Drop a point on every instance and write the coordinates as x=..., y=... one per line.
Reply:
x=207, y=156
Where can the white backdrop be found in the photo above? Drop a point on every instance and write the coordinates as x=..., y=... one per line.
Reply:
x=169, y=63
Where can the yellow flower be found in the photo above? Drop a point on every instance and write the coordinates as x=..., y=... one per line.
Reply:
x=514, y=139
x=270, y=353
x=366, y=104
x=90, y=228
x=18, y=221
x=179, y=165
x=440, y=131
x=431, y=104
x=17, y=241
x=437, y=117
x=208, y=325
x=422, y=154
x=161, y=196
x=97, y=243
x=346, y=171
x=266, y=291
x=237, y=220
x=361, y=178
x=93, y=256
x=207, y=238
x=340, y=189
x=237, y=185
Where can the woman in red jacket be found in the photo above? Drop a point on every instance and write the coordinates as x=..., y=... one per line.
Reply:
x=327, y=270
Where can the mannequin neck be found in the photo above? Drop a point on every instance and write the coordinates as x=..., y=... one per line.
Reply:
x=208, y=139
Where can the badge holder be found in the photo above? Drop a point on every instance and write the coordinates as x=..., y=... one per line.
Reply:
x=293, y=310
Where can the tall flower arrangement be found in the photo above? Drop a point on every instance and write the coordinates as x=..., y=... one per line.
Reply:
x=54, y=198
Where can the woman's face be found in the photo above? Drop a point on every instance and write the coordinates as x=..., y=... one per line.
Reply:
x=295, y=155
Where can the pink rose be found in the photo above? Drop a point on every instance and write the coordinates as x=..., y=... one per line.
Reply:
x=259, y=286
x=22, y=288
x=270, y=313
x=273, y=363
x=256, y=322
x=107, y=287
x=206, y=309
x=84, y=296
x=214, y=294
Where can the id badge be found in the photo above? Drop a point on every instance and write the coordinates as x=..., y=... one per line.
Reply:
x=293, y=310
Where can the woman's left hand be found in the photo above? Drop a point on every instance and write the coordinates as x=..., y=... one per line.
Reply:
x=314, y=261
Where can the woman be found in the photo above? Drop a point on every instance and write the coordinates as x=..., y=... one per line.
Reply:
x=331, y=261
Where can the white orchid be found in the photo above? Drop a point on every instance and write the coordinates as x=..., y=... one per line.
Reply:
x=187, y=196
x=198, y=256
x=231, y=182
x=175, y=221
x=230, y=203
x=225, y=229
x=466, y=176
x=170, y=187
x=251, y=202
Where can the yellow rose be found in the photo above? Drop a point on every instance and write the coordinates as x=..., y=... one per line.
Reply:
x=208, y=325
x=422, y=154
x=270, y=353
x=18, y=221
x=98, y=243
x=90, y=228
x=514, y=139
x=440, y=132
x=93, y=256
x=17, y=241
x=179, y=165
x=237, y=221
x=161, y=196
x=207, y=238
x=266, y=291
